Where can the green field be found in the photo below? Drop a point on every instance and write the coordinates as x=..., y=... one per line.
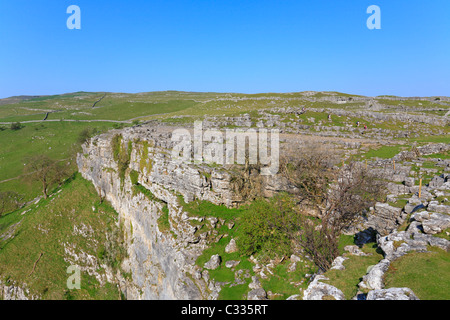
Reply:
x=58, y=140
x=47, y=228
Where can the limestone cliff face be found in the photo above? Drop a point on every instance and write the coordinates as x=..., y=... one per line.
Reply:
x=161, y=263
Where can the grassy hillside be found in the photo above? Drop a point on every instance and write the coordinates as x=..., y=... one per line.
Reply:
x=47, y=237
x=58, y=140
x=39, y=241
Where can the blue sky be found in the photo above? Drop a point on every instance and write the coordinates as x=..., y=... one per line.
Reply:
x=225, y=46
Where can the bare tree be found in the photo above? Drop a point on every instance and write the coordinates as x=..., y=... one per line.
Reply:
x=45, y=170
x=337, y=196
x=246, y=181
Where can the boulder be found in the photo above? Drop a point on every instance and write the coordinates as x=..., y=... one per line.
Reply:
x=436, y=223
x=384, y=218
x=232, y=263
x=255, y=284
x=257, y=294
x=434, y=206
x=436, y=182
x=392, y=294
x=338, y=263
x=409, y=182
x=231, y=247
x=355, y=251
x=213, y=263
x=373, y=280
x=322, y=291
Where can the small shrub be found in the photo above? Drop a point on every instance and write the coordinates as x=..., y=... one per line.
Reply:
x=16, y=126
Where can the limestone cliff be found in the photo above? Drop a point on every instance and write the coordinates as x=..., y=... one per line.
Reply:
x=131, y=168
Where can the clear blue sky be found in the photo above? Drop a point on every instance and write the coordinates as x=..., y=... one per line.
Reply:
x=225, y=46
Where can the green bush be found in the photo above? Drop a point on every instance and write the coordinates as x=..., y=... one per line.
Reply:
x=16, y=126
x=268, y=227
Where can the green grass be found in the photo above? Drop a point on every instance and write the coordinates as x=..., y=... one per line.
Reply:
x=443, y=155
x=355, y=268
x=58, y=140
x=384, y=152
x=443, y=138
x=46, y=228
x=280, y=282
x=400, y=203
x=426, y=274
x=286, y=283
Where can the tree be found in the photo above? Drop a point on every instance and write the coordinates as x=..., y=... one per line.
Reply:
x=268, y=226
x=337, y=196
x=16, y=126
x=45, y=170
x=86, y=134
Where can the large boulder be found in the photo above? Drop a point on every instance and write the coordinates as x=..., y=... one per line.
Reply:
x=434, y=206
x=384, y=218
x=392, y=294
x=213, y=263
x=436, y=223
x=373, y=280
x=231, y=247
x=257, y=294
x=322, y=291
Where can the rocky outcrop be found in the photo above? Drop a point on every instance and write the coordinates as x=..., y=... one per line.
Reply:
x=144, y=185
x=322, y=291
x=384, y=218
x=12, y=291
x=432, y=223
x=161, y=263
x=256, y=290
x=392, y=294
x=373, y=280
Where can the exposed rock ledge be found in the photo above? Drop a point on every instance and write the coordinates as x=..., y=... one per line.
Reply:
x=161, y=264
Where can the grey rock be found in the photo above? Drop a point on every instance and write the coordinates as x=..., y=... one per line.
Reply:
x=392, y=294
x=232, y=263
x=436, y=223
x=384, y=218
x=322, y=291
x=257, y=294
x=231, y=247
x=409, y=182
x=434, y=206
x=373, y=280
x=338, y=263
x=213, y=263
x=436, y=182
x=255, y=284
